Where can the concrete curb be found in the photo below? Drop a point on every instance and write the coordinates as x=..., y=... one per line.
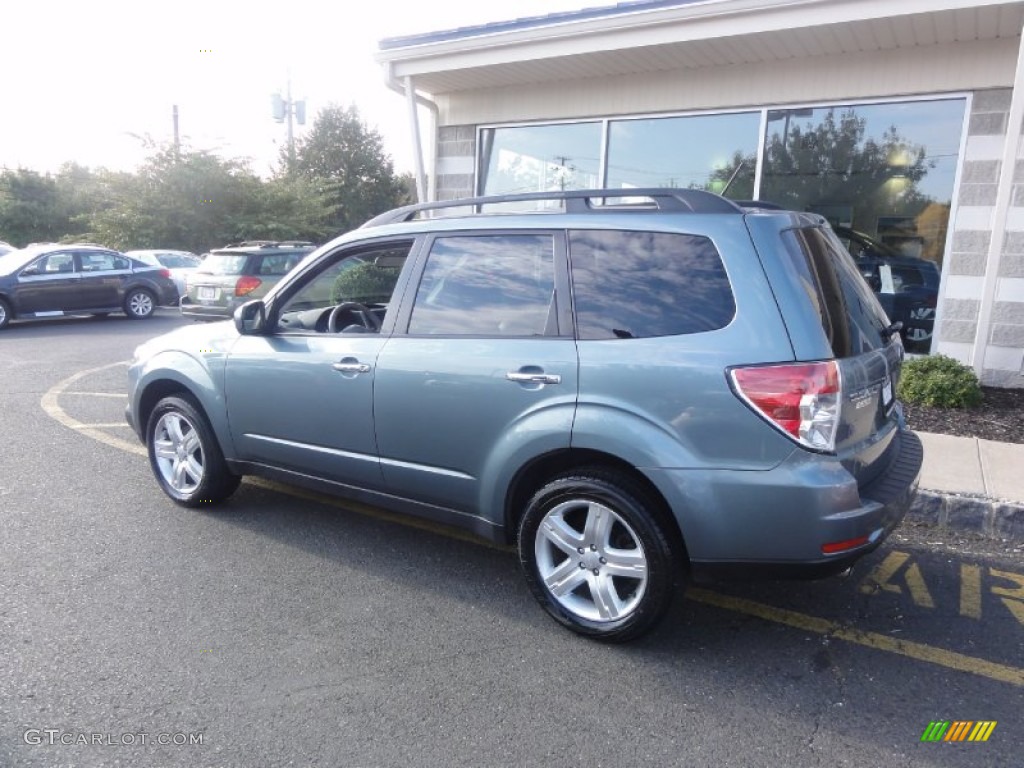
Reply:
x=977, y=514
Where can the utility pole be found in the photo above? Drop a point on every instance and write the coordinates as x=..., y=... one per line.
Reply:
x=177, y=139
x=293, y=111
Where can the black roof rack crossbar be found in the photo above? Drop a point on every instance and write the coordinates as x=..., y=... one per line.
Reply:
x=579, y=201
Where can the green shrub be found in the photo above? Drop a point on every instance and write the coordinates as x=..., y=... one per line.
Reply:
x=938, y=380
x=366, y=283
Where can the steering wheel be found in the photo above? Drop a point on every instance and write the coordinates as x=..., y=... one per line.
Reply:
x=363, y=312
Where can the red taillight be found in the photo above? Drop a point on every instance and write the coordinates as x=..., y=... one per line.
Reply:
x=841, y=546
x=165, y=273
x=247, y=285
x=801, y=399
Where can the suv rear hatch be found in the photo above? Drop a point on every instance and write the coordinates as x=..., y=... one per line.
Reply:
x=814, y=276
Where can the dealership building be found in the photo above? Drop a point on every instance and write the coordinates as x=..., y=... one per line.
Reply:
x=901, y=121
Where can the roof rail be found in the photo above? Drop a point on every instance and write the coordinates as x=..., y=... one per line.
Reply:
x=580, y=201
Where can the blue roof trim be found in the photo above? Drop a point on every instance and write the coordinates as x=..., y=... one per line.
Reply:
x=530, y=22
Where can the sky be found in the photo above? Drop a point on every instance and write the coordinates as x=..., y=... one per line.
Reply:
x=86, y=82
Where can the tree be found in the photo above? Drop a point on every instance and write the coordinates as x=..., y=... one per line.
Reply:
x=345, y=160
x=831, y=163
x=194, y=200
x=30, y=209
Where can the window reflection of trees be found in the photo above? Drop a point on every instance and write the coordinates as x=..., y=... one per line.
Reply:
x=639, y=284
x=494, y=286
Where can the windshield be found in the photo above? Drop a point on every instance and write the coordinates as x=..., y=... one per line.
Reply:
x=15, y=260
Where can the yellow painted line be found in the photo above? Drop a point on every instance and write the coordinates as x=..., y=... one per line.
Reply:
x=970, y=591
x=919, y=651
x=101, y=394
x=51, y=405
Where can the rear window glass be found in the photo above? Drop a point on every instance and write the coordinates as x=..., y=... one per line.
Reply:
x=850, y=314
x=224, y=263
x=630, y=285
x=177, y=261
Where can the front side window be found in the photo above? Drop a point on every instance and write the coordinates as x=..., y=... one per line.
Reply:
x=54, y=264
x=630, y=285
x=492, y=285
x=365, y=278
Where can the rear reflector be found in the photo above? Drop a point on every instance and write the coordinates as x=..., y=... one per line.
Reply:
x=800, y=399
x=841, y=546
x=247, y=285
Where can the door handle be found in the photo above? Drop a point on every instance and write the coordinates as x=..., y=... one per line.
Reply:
x=351, y=366
x=533, y=378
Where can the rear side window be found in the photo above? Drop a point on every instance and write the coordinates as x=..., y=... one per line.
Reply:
x=630, y=285
x=850, y=315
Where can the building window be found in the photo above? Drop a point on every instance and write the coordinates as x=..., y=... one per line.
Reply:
x=883, y=175
x=717, y=153
x=539, y=158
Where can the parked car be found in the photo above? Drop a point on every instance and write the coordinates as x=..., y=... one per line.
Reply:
x=229, y=276
x=907, y=287
x=634, y=392
x=179, y=263
x=53, y=280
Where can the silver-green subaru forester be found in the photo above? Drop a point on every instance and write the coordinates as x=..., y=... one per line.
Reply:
x=633, y=390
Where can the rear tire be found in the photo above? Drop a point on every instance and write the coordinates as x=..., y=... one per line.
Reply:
x=139, y=304
x=184, y=455
x=597, y=555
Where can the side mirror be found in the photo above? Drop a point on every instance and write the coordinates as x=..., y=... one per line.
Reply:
x=30, y=271
x=250, y=318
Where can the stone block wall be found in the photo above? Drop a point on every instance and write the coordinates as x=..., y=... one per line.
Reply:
x=971, y=233
x=456, y=161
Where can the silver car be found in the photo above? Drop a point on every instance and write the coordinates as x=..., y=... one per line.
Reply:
x=635, y=392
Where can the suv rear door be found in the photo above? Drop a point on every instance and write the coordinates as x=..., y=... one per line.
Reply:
x=482, y=365
x=812, y=271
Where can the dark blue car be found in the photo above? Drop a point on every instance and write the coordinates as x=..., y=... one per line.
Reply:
x=53, y=280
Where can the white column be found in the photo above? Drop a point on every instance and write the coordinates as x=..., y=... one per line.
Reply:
x=1004, y=196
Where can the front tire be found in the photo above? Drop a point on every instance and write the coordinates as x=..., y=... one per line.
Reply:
x=139, y=304
x=5, y=313
x=597, y=556
x=185, y=456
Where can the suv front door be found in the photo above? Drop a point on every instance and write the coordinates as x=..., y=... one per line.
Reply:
x=301, y=396
x=486, y=367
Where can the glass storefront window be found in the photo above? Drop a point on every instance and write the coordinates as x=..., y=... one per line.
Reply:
x=539, y=158
x=717, y=153
x=883, y=175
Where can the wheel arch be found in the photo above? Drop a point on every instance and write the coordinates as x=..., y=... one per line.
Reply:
x=533, y=475
x=180, y=374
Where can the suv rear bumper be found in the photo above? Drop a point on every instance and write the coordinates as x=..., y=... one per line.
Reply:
x=774, y=524
x=189, y=308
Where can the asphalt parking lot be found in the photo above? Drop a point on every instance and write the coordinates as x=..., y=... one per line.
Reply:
x=286, y=628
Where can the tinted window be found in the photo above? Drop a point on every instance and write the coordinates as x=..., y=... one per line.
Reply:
x=850, y=314
x=497, y=285
x=99, y=262
x=55, y=263
x=279, y=264
x=637, y=284
x=224, y=264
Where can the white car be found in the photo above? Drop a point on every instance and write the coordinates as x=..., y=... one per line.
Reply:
x=179, y=263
